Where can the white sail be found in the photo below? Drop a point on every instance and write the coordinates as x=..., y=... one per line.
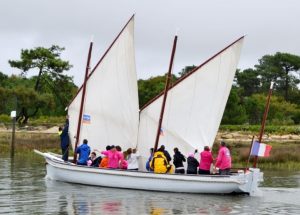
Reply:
x=110, y=114
x=194, y=106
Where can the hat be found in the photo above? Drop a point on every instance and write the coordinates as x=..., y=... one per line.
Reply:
x=191, y=154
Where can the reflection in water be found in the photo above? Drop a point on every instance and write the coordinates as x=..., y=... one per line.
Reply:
x=24, y=190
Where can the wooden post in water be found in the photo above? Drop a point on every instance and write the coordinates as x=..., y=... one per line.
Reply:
x=169, y=76
x=13, y=115
x=263, y=123
x=82, y=101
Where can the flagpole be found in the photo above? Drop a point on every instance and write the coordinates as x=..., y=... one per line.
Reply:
x=248, y=161
x=82, y=100
x=169, y=76
x=264, y=121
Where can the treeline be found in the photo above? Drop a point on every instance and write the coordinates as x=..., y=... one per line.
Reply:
x=49, y=92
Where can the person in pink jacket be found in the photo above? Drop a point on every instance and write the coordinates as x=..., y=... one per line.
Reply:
x=114, y=157
x=224, y=160
x=206, y=159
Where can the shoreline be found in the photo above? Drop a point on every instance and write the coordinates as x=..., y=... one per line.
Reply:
x=228, y=136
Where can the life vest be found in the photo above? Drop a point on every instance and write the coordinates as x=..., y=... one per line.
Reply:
x=159, y=163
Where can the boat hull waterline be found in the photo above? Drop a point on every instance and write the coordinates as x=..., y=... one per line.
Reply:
x=59, y=170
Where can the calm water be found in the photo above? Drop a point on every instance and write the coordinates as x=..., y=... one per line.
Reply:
x=24, y=190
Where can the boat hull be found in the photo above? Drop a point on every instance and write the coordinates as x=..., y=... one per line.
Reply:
x=214, y=184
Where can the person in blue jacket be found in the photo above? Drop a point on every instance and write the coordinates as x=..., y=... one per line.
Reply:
x=84, y=152
x=64, y=140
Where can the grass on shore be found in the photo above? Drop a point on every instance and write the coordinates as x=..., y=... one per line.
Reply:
x=272, y=129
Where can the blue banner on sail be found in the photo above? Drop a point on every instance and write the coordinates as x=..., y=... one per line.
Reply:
x=86, y=119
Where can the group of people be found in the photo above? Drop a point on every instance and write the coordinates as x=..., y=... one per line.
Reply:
x=158, y=162
x=112, y=157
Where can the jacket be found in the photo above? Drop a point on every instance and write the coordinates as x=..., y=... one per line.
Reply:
x=104, y=163
x=178, y=159
x=159, y=163
x=206, y=159
x=133, y=161
x=192, y=165
x=224, y=158
x=64, y=136
x=114, y=158
x=84, y=151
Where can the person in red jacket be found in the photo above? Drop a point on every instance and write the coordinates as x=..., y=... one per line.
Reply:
x=224, y=160
x=206, y=159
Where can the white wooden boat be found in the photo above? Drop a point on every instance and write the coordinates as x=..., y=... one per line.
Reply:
x=239, y=182
x=193, y=114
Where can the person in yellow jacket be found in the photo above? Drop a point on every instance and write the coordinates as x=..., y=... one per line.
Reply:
x=159, y=163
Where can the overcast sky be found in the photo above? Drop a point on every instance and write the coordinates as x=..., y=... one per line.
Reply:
x=205, y=28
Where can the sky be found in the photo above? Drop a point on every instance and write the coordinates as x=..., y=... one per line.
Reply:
x=205, y=27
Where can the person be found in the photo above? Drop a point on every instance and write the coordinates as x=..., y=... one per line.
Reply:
x=93, y=160
x=223, y=160
x=178, y=160
x=64, y=140
x=206, y=159
x=192, y=164
x=84, y=151
x=166, y=153
x=159, y=162
x=133, y=159
x=104, y=161
x=124, y=162
x=114, y=157
x=148, y=168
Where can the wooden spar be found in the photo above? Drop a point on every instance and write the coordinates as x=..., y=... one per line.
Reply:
x=192, y=72
x=82, y=101
x=249, y=155
x=169, y=76
x=263, y=123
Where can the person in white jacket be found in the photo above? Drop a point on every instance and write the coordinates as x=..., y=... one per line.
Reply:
x=133, y=159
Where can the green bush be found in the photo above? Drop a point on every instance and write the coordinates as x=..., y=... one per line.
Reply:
x=5, y=118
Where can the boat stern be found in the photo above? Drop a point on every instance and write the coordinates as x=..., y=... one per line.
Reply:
x=253, y=178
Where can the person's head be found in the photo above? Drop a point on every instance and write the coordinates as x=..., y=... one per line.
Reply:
x=119, y=149
x=206, y=148
x=113, y=148
x=133, y=151
x=151, y=150
x=191, y=154
x=85, y=141
x=60, y=128
x=176, y=150
x=223, y=143
x=162, y=147
x=129, y=151
x=93, y=155
x=108, y=147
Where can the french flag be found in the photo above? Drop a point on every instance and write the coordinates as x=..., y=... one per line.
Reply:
x=260, y=149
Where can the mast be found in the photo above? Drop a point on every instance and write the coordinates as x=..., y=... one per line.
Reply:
x=264, y=120
x=169, y=76
x=82, y=101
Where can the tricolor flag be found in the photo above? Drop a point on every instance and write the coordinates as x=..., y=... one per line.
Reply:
x=260, y=149
x=86, y=119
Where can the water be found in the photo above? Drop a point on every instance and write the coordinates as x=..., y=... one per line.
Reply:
x=24, y=190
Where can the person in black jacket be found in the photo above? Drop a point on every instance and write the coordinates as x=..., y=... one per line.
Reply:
x=64, y=140
x=178, y=160
x=192, y=164
x=166, y=153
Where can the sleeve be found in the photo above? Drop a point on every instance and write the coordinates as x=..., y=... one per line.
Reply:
x=219, y=158
x=104, y=153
